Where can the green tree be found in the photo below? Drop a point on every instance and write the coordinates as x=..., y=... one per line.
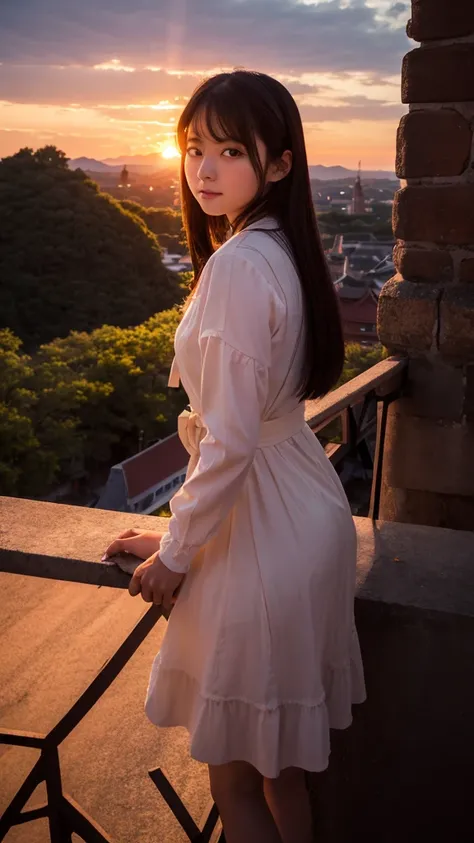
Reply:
x=24, y=465
x=83, y=401
x=71, y=257
x=165, y=223
x=359, y=358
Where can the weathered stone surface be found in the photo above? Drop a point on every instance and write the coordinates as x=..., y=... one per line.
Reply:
x=438, y=214
x=439, y=74
x=428, y=454
x=412, y=506
x=407, y=315
x=422, y=264
x=466, y=270
x=39, y=533
x=457, y=322
x=436, y=19
x=434, y=389
x=433, y=143
x=469, y=397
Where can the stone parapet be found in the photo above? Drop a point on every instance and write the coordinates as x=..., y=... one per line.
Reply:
x=437, y=19
x=427, y=310
x=440, y=214
x=408, y=315
x=433, y=143
x=439, y=74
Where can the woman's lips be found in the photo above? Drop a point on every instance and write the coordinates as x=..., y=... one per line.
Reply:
x=209, y=194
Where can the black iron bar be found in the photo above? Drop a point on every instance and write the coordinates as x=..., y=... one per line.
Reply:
x=81, y=823
x=59, y=830
x=105, y=677
x=33, y=814
x=175, y=803
x=10, y=816
x=13, y=737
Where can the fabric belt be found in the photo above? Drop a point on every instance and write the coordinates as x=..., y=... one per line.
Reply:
x=191, y=429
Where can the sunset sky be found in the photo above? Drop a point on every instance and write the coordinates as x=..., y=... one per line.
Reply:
x=107, y=78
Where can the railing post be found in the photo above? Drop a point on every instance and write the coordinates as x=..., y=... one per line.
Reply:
x=59, y=831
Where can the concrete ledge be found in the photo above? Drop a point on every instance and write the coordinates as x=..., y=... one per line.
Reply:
x=403, y=564
x=404, y=770
x=64, y=542
x=415, y=566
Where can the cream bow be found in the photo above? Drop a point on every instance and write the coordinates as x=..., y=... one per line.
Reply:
x=191, y=431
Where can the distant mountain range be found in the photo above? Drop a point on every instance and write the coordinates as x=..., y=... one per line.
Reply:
x=135, y=164
x=153, y=163
x=319, y=171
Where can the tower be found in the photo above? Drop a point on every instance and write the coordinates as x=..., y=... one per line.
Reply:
x=358, y=201
x=124, y=176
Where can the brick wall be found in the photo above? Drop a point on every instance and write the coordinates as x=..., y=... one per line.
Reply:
x=434, y=212
x=427, y=309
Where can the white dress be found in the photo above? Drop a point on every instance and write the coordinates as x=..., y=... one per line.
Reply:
x=261, y=656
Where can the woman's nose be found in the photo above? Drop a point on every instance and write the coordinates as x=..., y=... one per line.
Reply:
x=207, y=169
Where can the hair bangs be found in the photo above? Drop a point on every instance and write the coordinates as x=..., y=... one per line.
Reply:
x=221, y=115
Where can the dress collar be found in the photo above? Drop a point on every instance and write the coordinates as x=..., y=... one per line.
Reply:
x=266, y=222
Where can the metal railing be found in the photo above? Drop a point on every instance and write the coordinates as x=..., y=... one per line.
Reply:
x=362, y=405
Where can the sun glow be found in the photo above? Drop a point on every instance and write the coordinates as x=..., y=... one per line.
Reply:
x=169, y=151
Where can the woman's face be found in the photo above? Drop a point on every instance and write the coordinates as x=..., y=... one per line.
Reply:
x=220, y=175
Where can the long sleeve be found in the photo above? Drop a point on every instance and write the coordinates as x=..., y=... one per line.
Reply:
x=236, y=324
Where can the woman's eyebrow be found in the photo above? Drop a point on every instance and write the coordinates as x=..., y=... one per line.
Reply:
x=194, y=139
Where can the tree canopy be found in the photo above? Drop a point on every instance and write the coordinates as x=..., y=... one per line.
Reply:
x=166, y=223
x=83, y=402
x=71, y=257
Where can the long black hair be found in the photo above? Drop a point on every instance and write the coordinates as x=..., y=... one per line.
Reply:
x=241, y=106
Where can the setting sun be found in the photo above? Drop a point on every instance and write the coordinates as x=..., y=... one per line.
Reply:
x=170, y=152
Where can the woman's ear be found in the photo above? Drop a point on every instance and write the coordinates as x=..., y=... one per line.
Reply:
x=281, y=167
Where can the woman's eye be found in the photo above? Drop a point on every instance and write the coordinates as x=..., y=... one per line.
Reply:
x=193, y=151
x=233, y=153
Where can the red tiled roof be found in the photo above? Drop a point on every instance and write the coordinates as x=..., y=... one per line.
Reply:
x=360, y=310
x=148, y=468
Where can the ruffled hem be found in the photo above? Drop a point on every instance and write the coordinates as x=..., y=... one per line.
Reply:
x=291, y=734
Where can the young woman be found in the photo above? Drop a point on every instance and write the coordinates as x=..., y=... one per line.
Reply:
x=261, y=655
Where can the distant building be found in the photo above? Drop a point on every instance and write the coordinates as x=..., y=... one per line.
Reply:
x=147, y=480
x=124, y=178
x=177, y=263
x=358, y=307
x=380, y=274
x=358, y=199
x=364, y=254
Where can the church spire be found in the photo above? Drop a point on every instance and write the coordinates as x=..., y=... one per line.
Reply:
x=358, y=200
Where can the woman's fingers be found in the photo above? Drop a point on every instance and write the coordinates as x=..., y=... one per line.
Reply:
x=120, y=545
x=128, y=534
x=134, y=586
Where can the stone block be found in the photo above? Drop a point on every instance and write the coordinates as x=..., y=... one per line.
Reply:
x=456, y=338
x=469, y=397
x=466, y=270
x=428, y=454
x=436, y=19
x=441, y=214
x=407, y=316
x=434, y=389
x=439, y=74
x=413, y=506
x=433, y=143
x=422, y=264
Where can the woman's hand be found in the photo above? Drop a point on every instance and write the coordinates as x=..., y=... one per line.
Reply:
x=156, y=582
x=141, y=544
